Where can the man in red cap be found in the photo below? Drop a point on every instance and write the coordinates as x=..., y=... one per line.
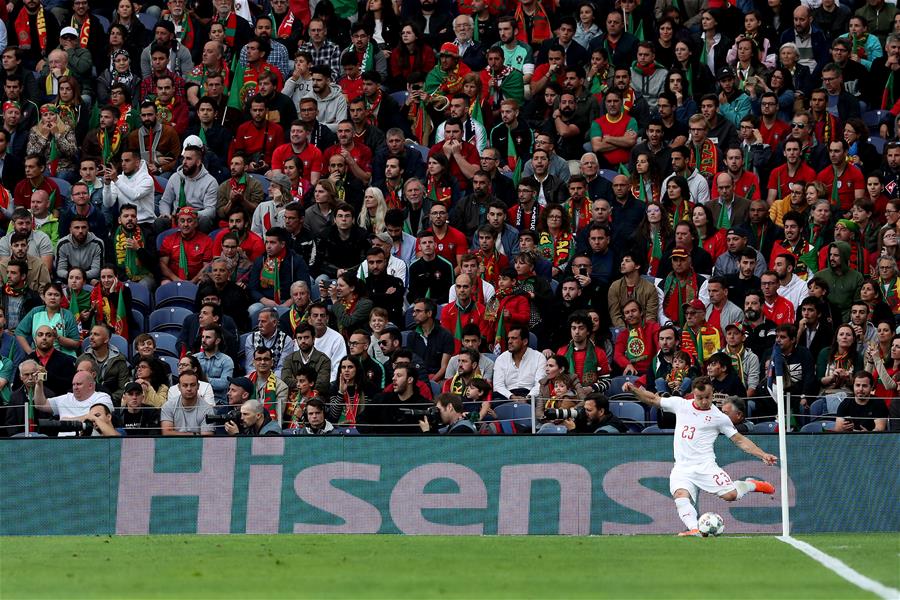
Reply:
x=680, y=286
x=446, y=78
x=185, y=254
x=698, y=338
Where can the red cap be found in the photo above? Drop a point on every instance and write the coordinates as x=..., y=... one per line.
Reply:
x=695, y=304
x=450, y=48
x=679, y=253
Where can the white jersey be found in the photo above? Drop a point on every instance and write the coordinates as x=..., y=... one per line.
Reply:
x=696, y=431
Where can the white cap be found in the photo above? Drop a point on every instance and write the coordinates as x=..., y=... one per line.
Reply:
x=68, y=31
x=191, y=140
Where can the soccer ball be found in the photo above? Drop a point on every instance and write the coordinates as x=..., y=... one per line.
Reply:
x=711, y=524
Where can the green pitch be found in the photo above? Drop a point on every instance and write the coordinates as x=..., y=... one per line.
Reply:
x=189, y=566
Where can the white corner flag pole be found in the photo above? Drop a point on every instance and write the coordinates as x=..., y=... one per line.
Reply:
x=782, y=454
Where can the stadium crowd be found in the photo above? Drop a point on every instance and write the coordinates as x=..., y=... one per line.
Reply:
x=324, y=214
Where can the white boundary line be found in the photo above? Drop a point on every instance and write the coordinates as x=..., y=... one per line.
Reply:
x=842, y=569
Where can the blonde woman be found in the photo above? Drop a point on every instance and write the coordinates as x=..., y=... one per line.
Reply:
x=371, y=217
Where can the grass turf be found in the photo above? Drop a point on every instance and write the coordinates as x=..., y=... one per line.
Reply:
x=190, y=566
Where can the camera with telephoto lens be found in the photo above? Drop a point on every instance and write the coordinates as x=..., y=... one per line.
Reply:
x=430, y=414
x=234, y=415
x=53, y=426
x=560, y=414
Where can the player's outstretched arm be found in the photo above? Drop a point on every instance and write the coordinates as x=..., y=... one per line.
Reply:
x=750, y=448
x=642, y=394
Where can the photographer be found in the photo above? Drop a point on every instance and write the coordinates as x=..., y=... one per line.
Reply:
x=594, y=415
x=100, y=417
x=75, y=405
x=254, y=420
x=450, y=409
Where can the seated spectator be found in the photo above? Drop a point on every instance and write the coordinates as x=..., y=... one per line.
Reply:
x=39, y=243
x=154, y=381
x=73, y=405
x=12, y=412
x=636, y=342
x=80, y=248
x=137, y=416
x=307, y=356
x=185, y=253
x=328, y=341
x=736, y=410
x=396, y=411
x=273, y=273
x=450, y=409
x=517, y=371
x=60, y=320
x=722, y=376
x=587, y=361
x=269, y=336
x=59, y=367
x=348, y=393
x=190, y=364
x=37, y=275
x=218, y=366
x=113, y=372
x=471, y=339
x=559, y=388
x=861, y=412
x=186, y=414
x=316, y=423
x=349, y=304
x=595, y=417
x=255, y=420
x=431, y=341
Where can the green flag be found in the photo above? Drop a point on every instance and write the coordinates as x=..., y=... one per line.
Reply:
x=94, y=123
x=237, y=82
x=182, y=196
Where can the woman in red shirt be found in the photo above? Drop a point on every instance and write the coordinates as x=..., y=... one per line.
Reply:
x=712, y=239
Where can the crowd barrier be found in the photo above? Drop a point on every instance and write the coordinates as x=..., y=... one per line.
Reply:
x=425, y=485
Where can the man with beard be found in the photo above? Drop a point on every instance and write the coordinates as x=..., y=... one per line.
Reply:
x=621, y=45
x=159, y=67
x=680, y=286
x=59, y=366
x=257, y=139
x=38, y=243
x=357, y=156
x=185, y=254
x=686, y=239
x=19, y=114
x=384, y=415
x=472, y=130
x=501, y=186
x=342, y=245
x=239, y=191
x=636, y=343
x=465, y=310
x=408, y=158
x=470, y=212
x=212, y=61
x=217, y=366
x=250, y=243
x=158, y=145
x=320, y=135
x=278, y=55
x=299, y=146
x=512, y=138
x=383, y=289
x=760, y=331
x=391, y=183
x=168, y=110
x=81, y=206
x=364, y=49
x=614, y=134
x=133, y=186
x=179, y=57
x=655, y=145
x=569, y=300
x=524, y=215
x=12, y=69
x=81, y=249
x=35, y=182
x=307, y=356
x=104, y=144
x=501, y=82
x=187, y=29
x=302, y=241
x=191, y=186
x=431, y=274
x=36, y=28
x=736, y=240
x=332, y=106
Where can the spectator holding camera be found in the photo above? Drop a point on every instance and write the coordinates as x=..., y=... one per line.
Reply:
x=255, y=420
x=450, y=409
x=593, y=416
x=75, y=405
x=101, y=417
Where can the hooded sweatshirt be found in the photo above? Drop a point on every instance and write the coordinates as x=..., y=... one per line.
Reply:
x=136, y=189
x=200, y=192
x=88, y=256
x=333, y=108
x=844, y=281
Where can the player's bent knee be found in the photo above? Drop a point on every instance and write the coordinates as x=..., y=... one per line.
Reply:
x=681, y=493
x=729, y=496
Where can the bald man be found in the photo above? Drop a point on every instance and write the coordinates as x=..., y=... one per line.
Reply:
x=75, y=405
x=60, y=367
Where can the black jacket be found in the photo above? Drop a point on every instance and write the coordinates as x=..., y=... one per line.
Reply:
x=336, y=253
x=383, y=416
x=376, y=290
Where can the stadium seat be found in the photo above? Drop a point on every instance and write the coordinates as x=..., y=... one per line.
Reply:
x=423, y=150
x=263, y=180
x=400, y=97
x=171, y=362
x=408, y=322
x=551, y=429
x=615, y=387
x=816, y=427
x=631, y=412
x=489, y=355
x=176, y=293
x=651, y=429
x=168, y=319
x=166, y=344
x=405, y=337
x=140, y=320
x=162, y=236
x=104, y=22
x=65, y=188
x=147, y=20
x=516, y=413
x=874, y=118
x=345, y=431
x=766, y=427
x=140, y=296
x=242, y=354
x=608, y=174
x=554, y=285
x=116, y=341
x=532, y=341
x=878, y=143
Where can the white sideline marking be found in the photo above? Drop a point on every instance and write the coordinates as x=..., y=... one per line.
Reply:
x=842, y=569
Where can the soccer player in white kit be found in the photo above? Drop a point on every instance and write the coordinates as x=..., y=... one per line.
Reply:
x=697, y=425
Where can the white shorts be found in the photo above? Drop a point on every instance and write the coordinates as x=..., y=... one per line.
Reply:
x=710, y=478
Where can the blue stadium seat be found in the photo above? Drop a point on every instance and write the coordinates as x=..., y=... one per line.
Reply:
x=608, y=174
x=874, y=118
x=766, y=427
x=551, y=429
x=400, y=97
x=651, y=429
x=140, y=320
x=171, y=362
x=878, y=143
x=147, y=20
x=532, y=340
x=166, y=344
x=116, y=341
x=615, y=387
x=140, y=296
x=65, y=189
x=816, y=427
x=405, y=337
x=176, y=293
x=263, y=180
x=162, y=236
x=104, y=22
x=631, y=412
x=423, y=150
x=169, y=319
x=408, y=322
x=345, y=431
x=242, y=354
x=554, y=285
x=515, y=413
x=435, y=388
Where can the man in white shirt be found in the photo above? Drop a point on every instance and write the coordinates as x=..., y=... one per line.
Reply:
x=75, y=405
x=133, y=185
x=328, y=341
x=518, y=371
x=697, y=425
x=790, y=287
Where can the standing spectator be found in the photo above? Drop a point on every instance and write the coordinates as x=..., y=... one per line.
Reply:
x=217, y=366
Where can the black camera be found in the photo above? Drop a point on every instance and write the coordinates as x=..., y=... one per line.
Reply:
x=430, y=414
x=234, y=415
x=582, y=270
x=54, y=426
x=560, y=414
